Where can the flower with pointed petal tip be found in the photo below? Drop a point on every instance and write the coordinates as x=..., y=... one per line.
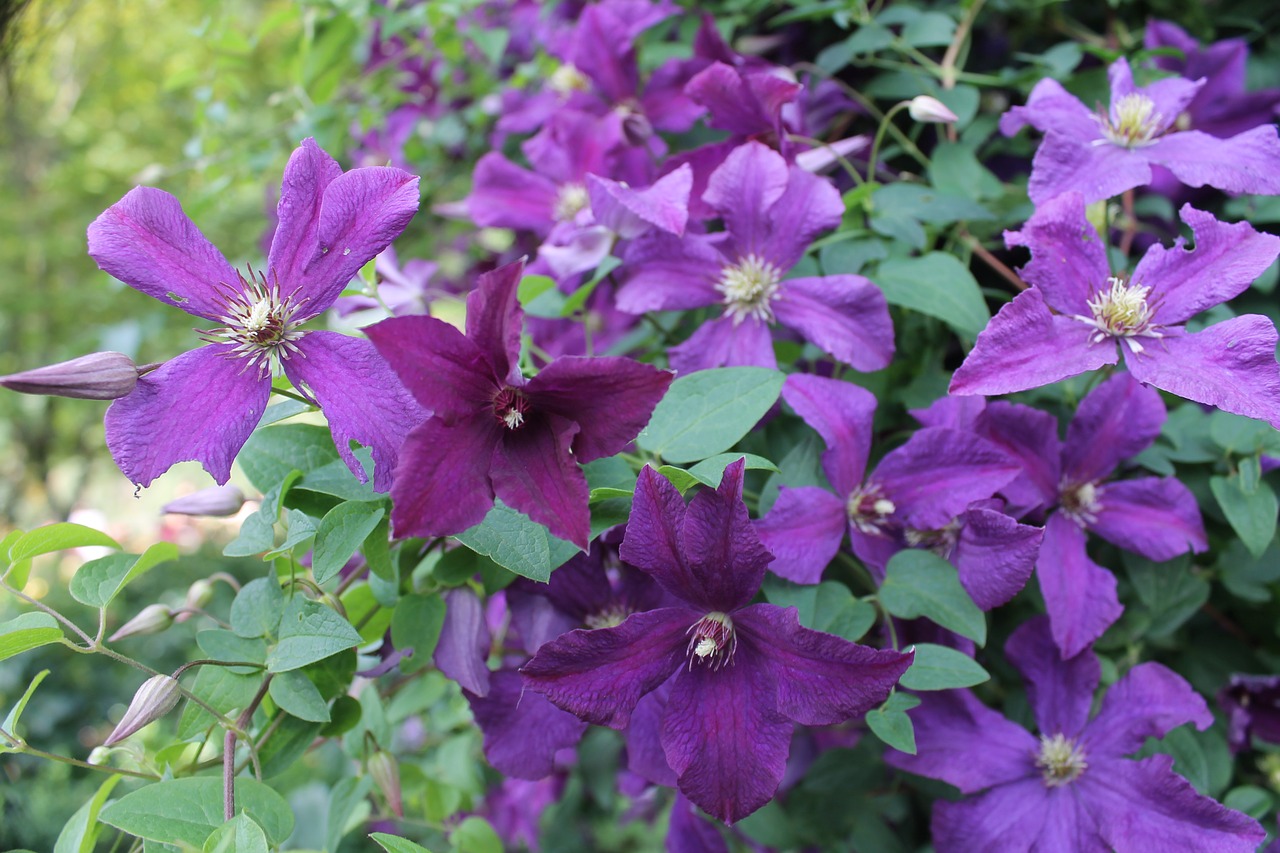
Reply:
x=203, y=404
x=744, y=674
x=771, y=212
x=1072, y=788
x=1078, y=316
x=1102, y=155
x=497, y=433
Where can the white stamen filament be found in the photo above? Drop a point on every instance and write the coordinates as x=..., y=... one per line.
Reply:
x=1121, y=311
x=1132, y=123
x=258, y=322
x=1061, y=759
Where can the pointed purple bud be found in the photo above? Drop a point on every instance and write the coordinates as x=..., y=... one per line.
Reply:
x=215, y=502
x=156, y=697
x=98, y=376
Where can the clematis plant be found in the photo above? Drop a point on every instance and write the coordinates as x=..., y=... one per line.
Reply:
x=1080, y=316
x=496, y=433
x=744, y=673
x=1073, y=788
x=1100, y=155
x=204, y=404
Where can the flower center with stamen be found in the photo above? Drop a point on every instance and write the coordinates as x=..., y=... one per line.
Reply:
x=712, y=640
x=1081, y=502
x=869, y=509
x=509, y=408
x=610, y=617
x=1133, y=121
x=1061, y=759
x=748, y=287
x=572, y=199
x=259, y=323
x=567, y=79
x=1121, y=311
x=941, y=541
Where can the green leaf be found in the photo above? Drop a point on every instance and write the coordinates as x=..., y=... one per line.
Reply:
x=475, y=835
x=15, y=714
x=257, y=532
x=866, y=39
x=81, y=832
x=942, y=668
x=678, y=477
x=257, y=608
x=709, y=471
x=516, y=542
x=920, y=583
x=377, y=551
x=309, y=632
x=1252, y=514
x=57, y=537
x=342, y=530
x=220, y=644
x=937, y=285
x=891, y=723
x=297, y=695
x=238, y=835
x=271, y=453
x=533, y=286
x=347, y=807
x=1242, y=436
x=1168, y=590
x=292, y=738
x=416, y=624
x=1247, y=576
x=97, y=582
x=829, y=607
x=300, y=529
x=1254, y=801
x=708, y=412
x=221, y=688
x=186, y=811
x=337, y=480
x=929, y=29
x=395, y=844
x=26, y=632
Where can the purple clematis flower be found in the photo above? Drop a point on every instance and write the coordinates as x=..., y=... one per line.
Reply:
x=497, y=433
x=771, y=213
x=1252, y=703
x=1079, y=317
x=931, y=492
x=204, y=404
x=1072, y=788
x=744, y=673
x=1222, y=107
x=1102, y=155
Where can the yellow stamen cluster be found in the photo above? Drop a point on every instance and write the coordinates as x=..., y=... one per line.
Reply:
x=1122, y=311
x=1061, y=759
x=259, y=322
x=712, y=640
x=572, y=199
x=1133, y=121
x=749, y=287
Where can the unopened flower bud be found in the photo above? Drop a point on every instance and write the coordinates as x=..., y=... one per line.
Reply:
x=928, y=109
x=156, y=697
x=99, y=755
x=199, y=594
x=151, y=619
x=218, y=501
x=386, y=775
x=98, y=376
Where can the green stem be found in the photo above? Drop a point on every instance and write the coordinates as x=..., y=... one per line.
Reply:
x=22, y=746
x=39, y=605
x=885, y=123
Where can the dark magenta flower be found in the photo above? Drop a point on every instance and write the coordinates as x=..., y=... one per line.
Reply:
x=771, y=211
x=744, y=673
x=1100, y=155
x=1252, y=703
x=1079, y=316
x=1073, y=787
x=496, y=432
x=203, y=404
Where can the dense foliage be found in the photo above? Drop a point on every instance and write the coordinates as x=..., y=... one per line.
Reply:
x=640, y=426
